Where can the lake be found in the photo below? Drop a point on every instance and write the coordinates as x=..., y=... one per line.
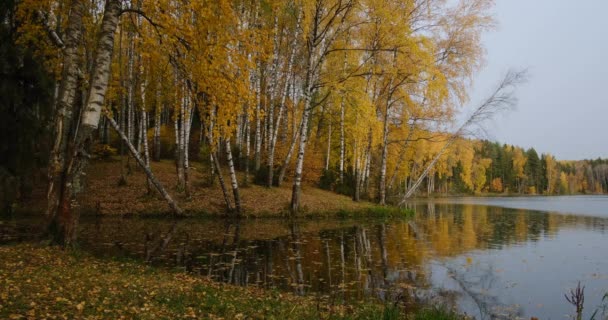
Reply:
x=491, y=258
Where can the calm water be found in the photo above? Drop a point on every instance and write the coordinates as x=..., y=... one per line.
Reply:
x=487, y=261
x=580, y=205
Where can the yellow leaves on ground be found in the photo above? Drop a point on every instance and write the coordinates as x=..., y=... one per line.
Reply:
x=50, y=283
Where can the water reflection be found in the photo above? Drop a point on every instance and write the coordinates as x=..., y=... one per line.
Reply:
x=490, y=262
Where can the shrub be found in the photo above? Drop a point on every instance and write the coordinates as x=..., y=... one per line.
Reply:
x=328, y=179
x=104, y=151
x=261, y=176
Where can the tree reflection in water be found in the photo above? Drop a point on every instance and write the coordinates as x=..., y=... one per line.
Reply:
x=393, y=260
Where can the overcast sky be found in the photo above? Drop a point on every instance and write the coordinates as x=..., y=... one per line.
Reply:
x=563, y=108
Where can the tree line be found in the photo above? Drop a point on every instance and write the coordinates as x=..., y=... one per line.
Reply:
x=474, y=166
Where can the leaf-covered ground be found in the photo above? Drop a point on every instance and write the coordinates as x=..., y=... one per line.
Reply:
x=104, y=194
x=47, y=282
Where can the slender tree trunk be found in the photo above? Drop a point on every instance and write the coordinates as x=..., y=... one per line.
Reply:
x=187, y=124
x=342, y=140
x=327, y=158
x=287, y=160
x=130, y=83
x=159, y=187
x=383, y=159
x=182, y=140
x=247, y=150
x=401, y=157
x=144, y=128
x=139, y=140
x=258, y=129
x=356, y=173
x=179, y=154
x=284, y=93
x=220, y=177
x=239, y=125
x=366, y=164
x=233, y=179
x=123, y=111
x=157, y=120
x=297, y=180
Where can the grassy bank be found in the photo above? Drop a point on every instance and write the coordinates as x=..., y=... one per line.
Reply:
x=45, y=282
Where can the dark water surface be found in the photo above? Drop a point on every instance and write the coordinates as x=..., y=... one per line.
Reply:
x=487, y=261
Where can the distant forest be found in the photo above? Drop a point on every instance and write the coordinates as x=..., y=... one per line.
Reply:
x=475, y=166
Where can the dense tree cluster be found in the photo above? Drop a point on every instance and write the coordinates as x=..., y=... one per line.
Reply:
x=354, y=94
x=26, y=91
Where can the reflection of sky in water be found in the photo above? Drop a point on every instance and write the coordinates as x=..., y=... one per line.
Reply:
x=529, y=279
x=584, y=205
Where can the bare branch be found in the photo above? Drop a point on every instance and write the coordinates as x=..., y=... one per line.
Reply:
x=501, y=100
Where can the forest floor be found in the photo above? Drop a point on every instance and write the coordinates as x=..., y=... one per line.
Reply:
x=105, y=195
x=47, y=282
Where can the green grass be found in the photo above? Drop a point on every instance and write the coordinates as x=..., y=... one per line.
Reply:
x=376, y=212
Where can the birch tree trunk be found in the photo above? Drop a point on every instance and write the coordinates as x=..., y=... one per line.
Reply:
x=247, y=150
x=297, y=179
x=275, y=131
x=356, y=172
x=342, y=140
x=220, y=176
x=258, y=133
x=186, y=125
x=294, y=137
x=233, y=179
x=401, y=156
x=179, y=154
x=319, y=41
x=130, y=83
x=63, y=221
x=157, y=123
x=144, y=129
x=58, y=214
x=159, y=187
x=382, y=186
x=328, y=147
x=287, y=160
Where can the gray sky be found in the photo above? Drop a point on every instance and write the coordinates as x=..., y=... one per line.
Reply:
x=563, y=108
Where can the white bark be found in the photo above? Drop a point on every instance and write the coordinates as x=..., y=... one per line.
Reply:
x=57, y=195
x=273, y=140
x=233, y=179
x=144, y=127
x=342, y=140
x=157, y=120
x=258, y=129
x=328, y=147
x=101, y=68
x=247, y=150
x=383, y=159
x=172, y=204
